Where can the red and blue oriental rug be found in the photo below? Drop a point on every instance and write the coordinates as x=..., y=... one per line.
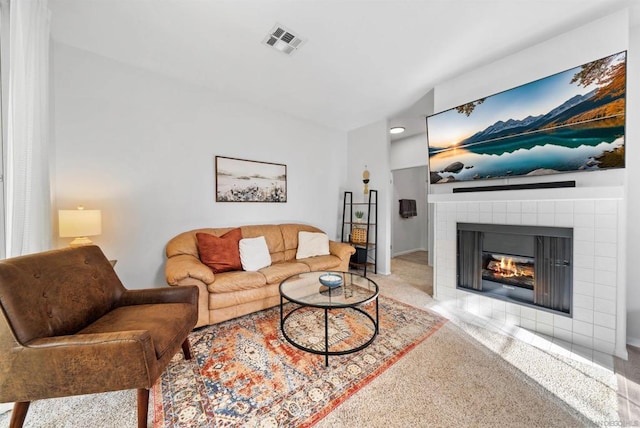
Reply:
x=245, y=374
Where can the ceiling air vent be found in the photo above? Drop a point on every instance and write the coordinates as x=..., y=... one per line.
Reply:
x=283, y=39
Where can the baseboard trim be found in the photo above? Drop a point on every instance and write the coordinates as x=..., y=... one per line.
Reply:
x=633, y=341
x=408, y=251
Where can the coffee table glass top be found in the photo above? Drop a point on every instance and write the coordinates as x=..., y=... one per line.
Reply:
x=306, y=289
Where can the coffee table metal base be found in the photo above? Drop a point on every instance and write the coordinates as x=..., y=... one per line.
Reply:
x=326, y=352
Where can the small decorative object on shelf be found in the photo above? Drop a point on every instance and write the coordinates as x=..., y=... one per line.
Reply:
x=359, y=235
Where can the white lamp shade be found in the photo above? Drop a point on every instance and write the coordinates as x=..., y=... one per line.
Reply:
x=75, y=223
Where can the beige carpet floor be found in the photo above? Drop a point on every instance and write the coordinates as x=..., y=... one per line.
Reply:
x=464, y=375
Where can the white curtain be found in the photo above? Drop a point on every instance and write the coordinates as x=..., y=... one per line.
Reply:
x=28, y=203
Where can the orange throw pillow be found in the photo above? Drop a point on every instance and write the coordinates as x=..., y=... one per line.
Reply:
x=221, y=254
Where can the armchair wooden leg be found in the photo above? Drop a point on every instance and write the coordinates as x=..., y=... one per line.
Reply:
x=143, y=407
x=19, y=413
x=186, y=349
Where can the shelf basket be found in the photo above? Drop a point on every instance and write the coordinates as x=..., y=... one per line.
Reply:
x=359, y=235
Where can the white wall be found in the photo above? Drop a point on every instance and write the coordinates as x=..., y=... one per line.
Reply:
x=409, y=234
x=369, y=145
x=595, y=40
x=141, y=147
x=409, y=152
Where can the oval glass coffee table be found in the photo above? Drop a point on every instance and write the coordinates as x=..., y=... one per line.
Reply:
x=316, y=304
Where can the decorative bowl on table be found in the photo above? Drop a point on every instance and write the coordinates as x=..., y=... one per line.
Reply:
x=331, y=280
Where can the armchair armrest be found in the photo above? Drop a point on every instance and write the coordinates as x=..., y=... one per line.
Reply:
x=91, y=339
x=77, y=364
x=185, y=266
x=160, y=295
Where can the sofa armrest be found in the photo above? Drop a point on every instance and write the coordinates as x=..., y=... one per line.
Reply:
x=185, y=266
x=160, y=295
x=341, y=250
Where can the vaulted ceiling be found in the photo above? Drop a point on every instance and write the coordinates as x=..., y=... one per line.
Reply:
x=361, y=60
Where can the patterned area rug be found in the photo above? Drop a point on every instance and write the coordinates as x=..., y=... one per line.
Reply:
x=244, y=373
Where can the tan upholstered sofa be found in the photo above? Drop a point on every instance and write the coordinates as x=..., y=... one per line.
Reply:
x=232, y=294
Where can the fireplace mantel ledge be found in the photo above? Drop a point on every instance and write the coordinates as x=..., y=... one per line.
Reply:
x=561, y=194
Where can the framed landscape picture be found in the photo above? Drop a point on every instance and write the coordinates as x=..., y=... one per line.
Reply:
x=240, y=180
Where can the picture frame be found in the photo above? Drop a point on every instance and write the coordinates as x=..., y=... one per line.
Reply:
x=242, y=180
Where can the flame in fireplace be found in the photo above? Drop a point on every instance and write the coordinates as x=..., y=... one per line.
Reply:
x=508, y=268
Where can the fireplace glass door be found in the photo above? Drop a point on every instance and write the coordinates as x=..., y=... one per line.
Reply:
x=528, y=265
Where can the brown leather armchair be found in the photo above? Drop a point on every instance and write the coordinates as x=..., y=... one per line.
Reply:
x=69, y=327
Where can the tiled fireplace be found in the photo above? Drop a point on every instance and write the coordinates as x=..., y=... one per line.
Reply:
x=591, y=216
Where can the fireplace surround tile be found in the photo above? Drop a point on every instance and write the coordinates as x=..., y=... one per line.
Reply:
x=582, y=314
x=583, y=274
x=562, y=322
x=546, y=219
x=546, y=207
x=582, y=261
x=583, y=287
x=604, y=320
x=604, y=249
x=544, y=328
x=605, y=264
x=514, y=218
x=607, y=279
x=602, y=346
x=584, y=328
x=595, y=318
x=564, y=219
x=582, y=340
x=582, y=301
x=584, y=220
x=562, y=334
x=564, y=207
x=514, y=207
x=584, y=233
x=604, y=333
x=586, y=248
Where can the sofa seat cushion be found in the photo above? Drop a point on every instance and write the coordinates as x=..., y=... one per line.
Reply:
x=279, y=271
x=237, y=280
x=167, y=323
x=321, y=262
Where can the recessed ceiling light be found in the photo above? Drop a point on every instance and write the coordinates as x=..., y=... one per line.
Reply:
x=396, y=130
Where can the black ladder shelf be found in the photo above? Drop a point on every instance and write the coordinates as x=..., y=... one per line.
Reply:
x=366, y=243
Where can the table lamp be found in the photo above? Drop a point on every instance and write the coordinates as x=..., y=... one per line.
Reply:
x=79, y=224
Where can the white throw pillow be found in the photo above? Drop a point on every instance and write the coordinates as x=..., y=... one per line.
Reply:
x=254, y=253
x=311, y=244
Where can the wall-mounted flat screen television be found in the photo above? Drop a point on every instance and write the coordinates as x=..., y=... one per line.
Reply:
x=570, y=121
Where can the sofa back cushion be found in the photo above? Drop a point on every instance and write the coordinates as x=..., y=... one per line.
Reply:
x=272, y=235
x=187, y=243
x=282, y=240
x=290, y=238
x=57, y=292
